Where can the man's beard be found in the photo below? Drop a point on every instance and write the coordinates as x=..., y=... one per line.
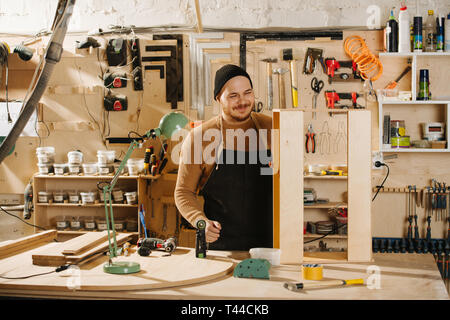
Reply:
x=237, y=116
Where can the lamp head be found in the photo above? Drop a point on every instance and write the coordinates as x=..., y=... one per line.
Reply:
x=170, y=123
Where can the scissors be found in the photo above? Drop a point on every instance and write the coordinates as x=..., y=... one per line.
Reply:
x=258, y=107
x=316, y=86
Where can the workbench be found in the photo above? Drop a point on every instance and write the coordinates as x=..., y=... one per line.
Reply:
x=401, y=276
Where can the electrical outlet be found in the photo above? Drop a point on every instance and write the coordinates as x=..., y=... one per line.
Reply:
x=376, y=156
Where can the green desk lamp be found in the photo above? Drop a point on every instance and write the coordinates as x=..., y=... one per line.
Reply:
x=169, y=124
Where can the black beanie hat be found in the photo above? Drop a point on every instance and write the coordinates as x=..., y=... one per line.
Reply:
x=226, y=73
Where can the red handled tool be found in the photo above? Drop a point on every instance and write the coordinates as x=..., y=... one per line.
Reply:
x=310, y=140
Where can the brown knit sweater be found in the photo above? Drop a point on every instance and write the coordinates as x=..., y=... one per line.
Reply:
x=197, y=160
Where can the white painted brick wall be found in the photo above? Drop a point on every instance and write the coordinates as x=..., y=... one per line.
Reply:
x=30, y=16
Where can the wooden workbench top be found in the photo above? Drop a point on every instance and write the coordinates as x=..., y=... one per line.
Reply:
x=401, y=276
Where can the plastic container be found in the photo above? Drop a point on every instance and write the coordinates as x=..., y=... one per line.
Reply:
x=271, y=254
x=73, y=196
x=90, y=169
x=87, y=197
x=117, y=195
x=59, y=169
x=104, y=169
x=45, y=155
x=75, y=223
x=62, y=222
x=131, y=197
x=75, y=157
x=44, y=196
x=404, y=35
x=89, y=223
x=74, y=169
x=59, y=196
x=132, y=225
x=106, y=156
x=45, y=168
x=100, y=196
x=119, y=224
x=135, y=166
x=101, y=224
x=398, y=128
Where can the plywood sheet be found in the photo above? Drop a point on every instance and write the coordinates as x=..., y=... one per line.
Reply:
x=157, y=271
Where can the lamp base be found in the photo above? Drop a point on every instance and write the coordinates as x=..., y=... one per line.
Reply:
x=121, y=267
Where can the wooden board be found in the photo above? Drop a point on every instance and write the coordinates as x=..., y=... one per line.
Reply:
x=52, y=255
x=84, y=242
x=291, y=186
x=10, y=246
x=157, y=271
x=359, y=187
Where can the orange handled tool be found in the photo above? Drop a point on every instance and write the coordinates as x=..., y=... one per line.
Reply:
x=393, y=84
x=310, y=140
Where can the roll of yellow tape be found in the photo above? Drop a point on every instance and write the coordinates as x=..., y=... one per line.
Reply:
x=312, y=272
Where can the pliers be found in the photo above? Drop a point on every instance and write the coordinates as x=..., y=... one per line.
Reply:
x=310, y=140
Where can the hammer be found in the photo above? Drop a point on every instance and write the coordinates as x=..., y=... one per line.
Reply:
x=281, y=90
x=269, y=82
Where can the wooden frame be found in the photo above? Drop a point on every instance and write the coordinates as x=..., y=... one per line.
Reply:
x=288, y=146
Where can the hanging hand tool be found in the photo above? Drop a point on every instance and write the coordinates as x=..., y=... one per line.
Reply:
x=393, y=84
x=416, y=226
x=164, y=226
x=428, y=236
x=332, y=97
x=289, y=57
x=142, y=218
x=311, y=57
x=333, y=65
x=316, y=86
x=281, y=87
x=310, y=140
x=163, y=151
x=270, y=81
x=410, y=220
x=147, y=156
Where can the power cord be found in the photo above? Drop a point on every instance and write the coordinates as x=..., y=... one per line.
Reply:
x=12, y=215
x=377, y=165
x=59, y=269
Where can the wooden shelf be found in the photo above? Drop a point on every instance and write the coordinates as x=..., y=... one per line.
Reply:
x=394, y=150
x=328, y=205
x=409, y=102
x=329, y=177
x=90, y=205
x=411, y=54
x=330, y=236
x=95, y=177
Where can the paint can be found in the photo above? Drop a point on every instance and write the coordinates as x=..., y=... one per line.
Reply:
x=131, y=197
x=400, y=142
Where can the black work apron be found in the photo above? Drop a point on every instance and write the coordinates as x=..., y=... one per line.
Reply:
x=239, y=197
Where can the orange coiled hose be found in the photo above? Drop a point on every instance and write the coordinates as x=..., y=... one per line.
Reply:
x=368, y=64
